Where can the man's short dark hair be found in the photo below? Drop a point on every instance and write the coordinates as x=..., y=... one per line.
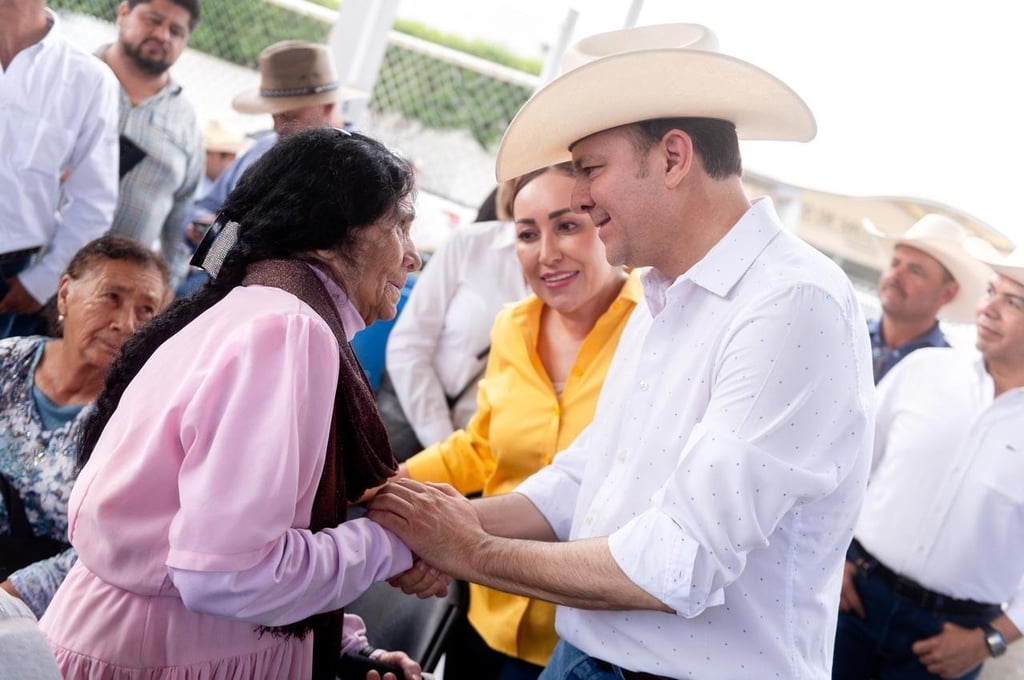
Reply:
x=191, y=5
x=714, y=140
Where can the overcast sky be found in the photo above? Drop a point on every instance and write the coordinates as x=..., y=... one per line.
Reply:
x=916, y=98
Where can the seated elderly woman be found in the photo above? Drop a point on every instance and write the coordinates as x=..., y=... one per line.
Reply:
x=233, y=430
x=111, y=286
x=549, y=355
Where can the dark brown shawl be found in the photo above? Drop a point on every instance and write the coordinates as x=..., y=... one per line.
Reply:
x=358, y=453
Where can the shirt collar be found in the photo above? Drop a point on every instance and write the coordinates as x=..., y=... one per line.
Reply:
x=49, y=40
x=728, y=260
x=933, y=338
x=350, y=317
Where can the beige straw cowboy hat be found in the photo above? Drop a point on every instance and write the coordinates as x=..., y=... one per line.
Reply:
x=1010, y=265
x=947, y=241
x=220, y=137
x=635, y=74
x=294, y=74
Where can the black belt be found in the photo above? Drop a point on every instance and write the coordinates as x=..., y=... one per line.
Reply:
x=629, y=675
x=636, y=675
x=914, y=592
x=18, y=254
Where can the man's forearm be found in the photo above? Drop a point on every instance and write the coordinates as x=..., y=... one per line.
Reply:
x=580, y=574
x=513, y=515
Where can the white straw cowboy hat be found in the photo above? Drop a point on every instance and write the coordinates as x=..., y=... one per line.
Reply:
x=220, y=137
x=1010, y=265
x=947, y=241
x=636, y=74
x=294, y=74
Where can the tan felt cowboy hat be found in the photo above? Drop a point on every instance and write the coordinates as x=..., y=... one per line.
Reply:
x=220, y=137
x=676, y=72
x=294, y=74
x=947, y=241
x=1010, y=265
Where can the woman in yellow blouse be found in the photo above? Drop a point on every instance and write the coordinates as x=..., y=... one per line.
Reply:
x=549, y=355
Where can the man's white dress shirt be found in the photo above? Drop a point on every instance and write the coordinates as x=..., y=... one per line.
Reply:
x=433, y=350
x=58, y=111
x=726, y=463
x=945, y=504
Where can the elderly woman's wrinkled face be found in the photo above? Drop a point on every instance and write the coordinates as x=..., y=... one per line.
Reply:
x=382, y=259
x=105, y=305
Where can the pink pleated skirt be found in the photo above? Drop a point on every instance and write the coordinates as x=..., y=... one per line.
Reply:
x=100, y=632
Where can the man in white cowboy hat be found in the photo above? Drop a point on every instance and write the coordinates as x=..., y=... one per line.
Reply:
x=930, y=276
x=161, y=158
x=697, y=528
x=935, y=581
x=299, y=88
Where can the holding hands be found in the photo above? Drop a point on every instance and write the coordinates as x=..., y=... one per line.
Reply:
x=438, y=524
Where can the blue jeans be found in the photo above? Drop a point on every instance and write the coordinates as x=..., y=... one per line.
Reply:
x=879, y=645
x=12, y=325
x=569, y=663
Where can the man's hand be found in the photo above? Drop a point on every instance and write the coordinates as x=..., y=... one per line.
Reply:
x=422, y=580
x=953, y=652
x=437, y=522
x=18, y=300
x=849, y=598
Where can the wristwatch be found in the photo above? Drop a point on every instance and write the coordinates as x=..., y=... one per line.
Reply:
x=994, y=640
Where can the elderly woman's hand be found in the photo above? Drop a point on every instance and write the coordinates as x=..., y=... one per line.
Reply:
x=403, y=473
x=411, y=669
x=422, y=580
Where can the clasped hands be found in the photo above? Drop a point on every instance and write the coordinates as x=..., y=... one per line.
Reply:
x=439, y=525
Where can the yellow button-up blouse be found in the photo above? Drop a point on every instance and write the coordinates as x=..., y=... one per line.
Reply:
x=520, y=424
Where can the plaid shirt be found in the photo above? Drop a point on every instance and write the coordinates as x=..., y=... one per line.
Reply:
x=156, y=194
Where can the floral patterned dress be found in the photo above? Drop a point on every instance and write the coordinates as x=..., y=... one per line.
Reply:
x=39, y=462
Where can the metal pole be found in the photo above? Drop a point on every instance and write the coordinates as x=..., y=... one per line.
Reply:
x=634, y=13
x=551, y=64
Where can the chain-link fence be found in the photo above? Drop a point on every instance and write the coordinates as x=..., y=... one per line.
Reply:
x=443, y=108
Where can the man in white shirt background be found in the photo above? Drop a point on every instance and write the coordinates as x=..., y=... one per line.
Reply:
x=935, y=581
x=58, y=116
x=698, y=527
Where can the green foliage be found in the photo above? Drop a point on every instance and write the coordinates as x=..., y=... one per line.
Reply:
x=478, y=48
x=437, y=93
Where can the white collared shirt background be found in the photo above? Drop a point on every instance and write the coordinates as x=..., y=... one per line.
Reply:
x=58, y=111
x=945, y=503
x=433, y=348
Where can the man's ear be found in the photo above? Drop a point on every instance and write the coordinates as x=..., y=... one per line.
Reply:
x=677, y=147
x=951, y=289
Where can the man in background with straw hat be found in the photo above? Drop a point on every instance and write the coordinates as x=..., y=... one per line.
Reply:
x=299, y=88
x=222, y=142
x=935, y=581
x=161, y=157
x=930, y=276
x=697, y=528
